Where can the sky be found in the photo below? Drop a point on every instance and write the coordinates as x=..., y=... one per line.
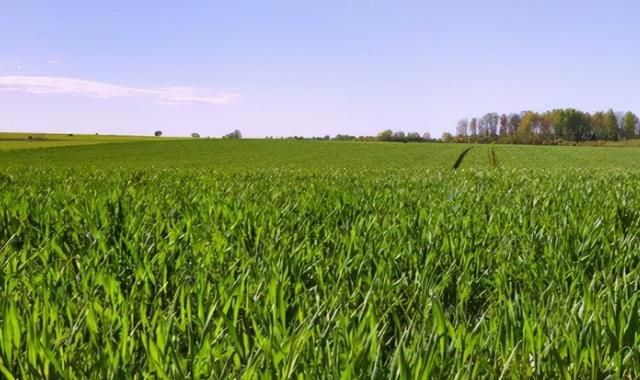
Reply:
x=308, y=67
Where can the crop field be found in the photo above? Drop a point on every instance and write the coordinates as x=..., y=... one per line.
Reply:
x=320, y=156
x=12, y=141
x=269, y=259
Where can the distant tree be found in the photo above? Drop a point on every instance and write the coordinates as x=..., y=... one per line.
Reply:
x=598, y=126
x=385, y=135
x=493, y=123
x=447, y=137
x=573, y=124
x=504, y=123
x=489, y=124
x=413, y=136
x=195, y=135
x=426, y=136
x=611, y=125
x=399, y=136
x=514, y=123
x=236, y=134
x=629, y=125
x=473, y=126
x=546, y=125
x=156, y=133
x=527, y=126
x=587, y=126
x=461, y=129
x=483, y=125
x=620, y=118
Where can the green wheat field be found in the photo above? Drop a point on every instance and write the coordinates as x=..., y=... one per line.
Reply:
x=286, y=259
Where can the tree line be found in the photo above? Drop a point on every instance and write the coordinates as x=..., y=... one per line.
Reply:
x=386, y=135
x=550, y=127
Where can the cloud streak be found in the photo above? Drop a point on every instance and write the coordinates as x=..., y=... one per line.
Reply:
x=80, y=87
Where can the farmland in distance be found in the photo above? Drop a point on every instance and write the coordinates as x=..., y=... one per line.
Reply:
x=13, y=141
x=242, y=155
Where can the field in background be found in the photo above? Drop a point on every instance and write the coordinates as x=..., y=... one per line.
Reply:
x=316, y=155
x=319, y=259
x=11, y=141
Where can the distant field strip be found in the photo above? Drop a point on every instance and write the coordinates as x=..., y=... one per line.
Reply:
x=13, y=141
x=241, y=155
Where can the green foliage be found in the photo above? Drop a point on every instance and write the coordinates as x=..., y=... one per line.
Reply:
x=571, y=124
x=630, y=125
x=549, y=127
x=598, y=125
x=300, y=273
x=385, y=135
x=318, y=155
x=526, y=127
x=240, y=154
x=236, y=134
x=611, y=125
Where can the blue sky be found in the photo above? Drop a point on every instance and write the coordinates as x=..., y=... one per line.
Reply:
x=273, y=68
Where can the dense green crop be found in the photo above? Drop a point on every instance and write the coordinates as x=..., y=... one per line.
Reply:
x=285, y=273
x=236, y=155
x=242, y=155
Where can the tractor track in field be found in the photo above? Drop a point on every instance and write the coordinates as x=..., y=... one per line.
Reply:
x=461, y=158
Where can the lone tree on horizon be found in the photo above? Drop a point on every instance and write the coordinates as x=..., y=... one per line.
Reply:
x=157, y=133
x=236, y=134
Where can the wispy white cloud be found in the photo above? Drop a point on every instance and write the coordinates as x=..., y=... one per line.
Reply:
x=80, y=87
x=54, y=61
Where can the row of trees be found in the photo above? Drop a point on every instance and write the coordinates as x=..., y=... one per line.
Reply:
x=236, y=134
x=389, y=135
x=534, y=128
